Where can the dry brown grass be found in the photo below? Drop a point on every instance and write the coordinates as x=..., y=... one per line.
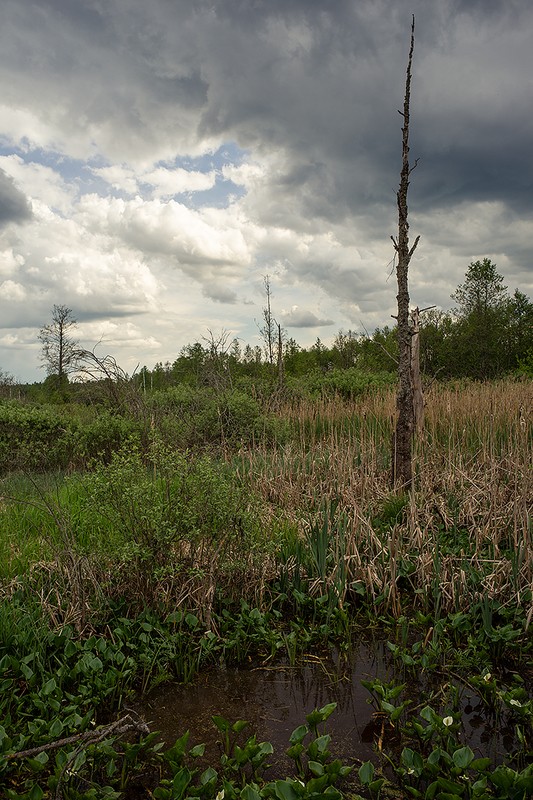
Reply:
x=467, y=524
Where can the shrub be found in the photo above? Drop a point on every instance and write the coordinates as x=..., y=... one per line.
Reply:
x=35, y=439
x=163, y=508
x=188, y=417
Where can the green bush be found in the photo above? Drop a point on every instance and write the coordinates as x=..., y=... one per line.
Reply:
x=105, y=434
x=45, y=438
x=188, y=417
x=348, y=383
x=163, y=507
x=35, y=439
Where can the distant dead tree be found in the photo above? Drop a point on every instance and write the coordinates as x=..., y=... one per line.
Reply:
x=217, y=371
x=59, y=348
x=107, y=378
x=268, y=331
x=402, y=442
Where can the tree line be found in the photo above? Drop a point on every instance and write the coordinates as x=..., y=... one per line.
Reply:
x=487, y=334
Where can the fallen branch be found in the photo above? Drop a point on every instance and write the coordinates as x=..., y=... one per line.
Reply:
x=117, y=728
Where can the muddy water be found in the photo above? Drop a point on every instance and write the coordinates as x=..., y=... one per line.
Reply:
x=275, y=699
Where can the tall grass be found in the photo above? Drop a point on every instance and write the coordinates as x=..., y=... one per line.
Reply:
x=465, y=532
x=178, y=529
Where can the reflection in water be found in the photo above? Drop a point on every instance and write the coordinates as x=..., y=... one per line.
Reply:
x=275, y=700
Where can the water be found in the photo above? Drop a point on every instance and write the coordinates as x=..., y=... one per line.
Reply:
x=275, y=699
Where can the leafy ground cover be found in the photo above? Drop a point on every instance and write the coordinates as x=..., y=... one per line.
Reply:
x=156, y=561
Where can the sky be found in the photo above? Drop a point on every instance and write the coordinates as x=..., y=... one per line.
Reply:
x=158, y=160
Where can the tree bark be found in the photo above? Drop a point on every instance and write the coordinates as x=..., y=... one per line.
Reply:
x=418, y=394
x=402, y=469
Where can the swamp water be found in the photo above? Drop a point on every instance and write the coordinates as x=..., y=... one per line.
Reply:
x=275, y=699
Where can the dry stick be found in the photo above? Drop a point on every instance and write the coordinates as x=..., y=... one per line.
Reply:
x=118, y=727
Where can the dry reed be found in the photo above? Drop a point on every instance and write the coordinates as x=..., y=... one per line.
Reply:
x=466, y=526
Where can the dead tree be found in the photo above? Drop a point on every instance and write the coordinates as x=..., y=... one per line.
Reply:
x=402, y=468
x=268, y=331
x=418, y=394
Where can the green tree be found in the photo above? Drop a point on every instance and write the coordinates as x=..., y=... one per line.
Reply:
x=482, y=315
x=7, y=384
x=437, y=343
x=380, y=351
x=519, y=328
x=189, y=366
x=482, y=291
x=346, y=348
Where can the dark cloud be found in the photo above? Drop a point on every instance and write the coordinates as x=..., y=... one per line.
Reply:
x=308, y=91
x=14, y=205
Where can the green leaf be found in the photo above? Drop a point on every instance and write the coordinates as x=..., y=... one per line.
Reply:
x=35, y=764
x=221, y=723
x=327, y=710
x=238, y=726
x=450, y=786
x=49, y=687
x=249, y=793
x=316, y=784
x=26, y=671
x=434, y=756
x=366, y=773
x=79, y=761
x=180, y=783
x=463, y=757
x=56, y=728
x=284, y=790
x=480, y=764
x=503, y=777
x=316, y=768
x=208, y=775
x=299, y=734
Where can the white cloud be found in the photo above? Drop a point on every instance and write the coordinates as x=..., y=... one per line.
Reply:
x=169, y=182
x=155, y=100
x=40, y=182
x=298, y=317
x=12, y=292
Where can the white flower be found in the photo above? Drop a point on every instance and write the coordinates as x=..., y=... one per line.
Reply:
x=410, y=771
x=447, y=721
x=487, y=677
x=515, y=703
x=220, y=795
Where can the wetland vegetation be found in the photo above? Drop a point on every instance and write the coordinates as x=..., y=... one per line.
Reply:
x=195, y=530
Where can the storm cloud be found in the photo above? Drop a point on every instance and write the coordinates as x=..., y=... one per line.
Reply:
x=166, y=156
x=14, y=205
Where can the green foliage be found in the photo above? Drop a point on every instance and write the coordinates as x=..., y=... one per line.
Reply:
x=34, y=439
x=165, y=507
x=243, y=763
x=46, y=438
x=188, y=417
x=348, y=383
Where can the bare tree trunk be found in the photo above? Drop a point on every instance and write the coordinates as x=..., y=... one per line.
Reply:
x=418, y=394
x=402, y=469
x=280, y=358
x=268, y=330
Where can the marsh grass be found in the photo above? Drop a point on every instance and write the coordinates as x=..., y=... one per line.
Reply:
x=181, y=530
x=465, y=532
